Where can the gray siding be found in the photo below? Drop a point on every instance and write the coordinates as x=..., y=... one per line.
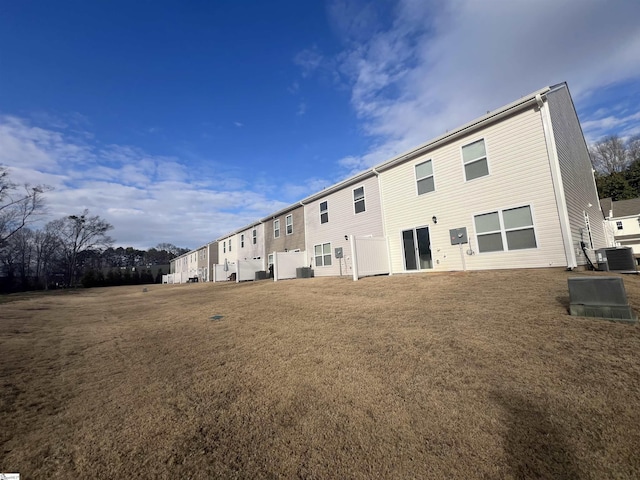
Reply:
x=284, y=242
x=576, y=172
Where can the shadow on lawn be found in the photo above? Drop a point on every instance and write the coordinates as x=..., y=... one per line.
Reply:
x=535, y=443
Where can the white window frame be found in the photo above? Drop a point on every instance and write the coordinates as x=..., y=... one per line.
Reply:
x=276, y=228
x=242, y=240
x=619, y=225
x=433, y=175
x=503, y=231
x=322, y=255
x=325, y=211
x=224, y=247
x=485, y=157
x=357, y=200
x=288, y=222
x=270, y=259
x=254, y=235
x=229, y=245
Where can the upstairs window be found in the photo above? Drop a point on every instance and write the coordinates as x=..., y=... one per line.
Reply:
x=358, y=200
x=224, y=247
x=254, y=234
x=424, y=177
x=324, y=212
x=242, y=241
x=229, y=244
x=276, y=228
x=619, y=224
x=474, y=157
x=289, y=224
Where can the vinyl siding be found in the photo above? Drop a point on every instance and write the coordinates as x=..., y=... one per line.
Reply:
x=228, y=256
x=576, y=171
x=519, y=175
x=284, y=242
x=250, y=250
x=342, y=221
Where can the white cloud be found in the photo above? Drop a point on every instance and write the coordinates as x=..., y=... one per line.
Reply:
x=238, y=124
x=431, y=68
x=302, y=109
x=149, y=199
x=309, y=60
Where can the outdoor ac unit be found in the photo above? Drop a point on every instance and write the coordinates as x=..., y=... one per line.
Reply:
x=616, y=259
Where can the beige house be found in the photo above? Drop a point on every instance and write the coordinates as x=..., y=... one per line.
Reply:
x=512, y=189
x=284, y=231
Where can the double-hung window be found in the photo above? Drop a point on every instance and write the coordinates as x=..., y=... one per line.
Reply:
x=289, y=224
x=224, y=247
x=324, y=212
x=509, y=229
x=322, y=254
x=276, y=228
x=619, y=224
x=474, y=157
x=242, y=240
x=358, y=200
x=229, y=244
x=254, y=234
x=424, y=177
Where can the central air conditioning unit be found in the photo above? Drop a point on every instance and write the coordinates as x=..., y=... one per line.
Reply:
x=616, y=259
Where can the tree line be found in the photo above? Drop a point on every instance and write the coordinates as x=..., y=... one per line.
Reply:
x=67, y=251
x=616, y=162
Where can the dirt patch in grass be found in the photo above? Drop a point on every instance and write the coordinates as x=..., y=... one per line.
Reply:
x=461, y=375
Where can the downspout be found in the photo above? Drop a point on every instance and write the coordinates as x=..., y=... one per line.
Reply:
x=304, y=215
x=556, y=178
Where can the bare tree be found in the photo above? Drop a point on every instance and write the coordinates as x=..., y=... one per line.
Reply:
x=18, y=206
x=46, y=244
x=80, y=233
x=610, y=155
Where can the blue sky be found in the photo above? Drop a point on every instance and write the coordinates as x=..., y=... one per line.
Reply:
x=181, y=121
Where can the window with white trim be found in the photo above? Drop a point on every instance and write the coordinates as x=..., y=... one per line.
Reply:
x=322, y=254
x=474, y=157
x=358, y=200
x=270, y=259
x=276, y=228
x=424, y=177
x=242, y=240
x=509, y=229
x=324, y=212
x=289, y=224
x=619, y=224
x=224, y=247
x=254, y=234
x=229, y=244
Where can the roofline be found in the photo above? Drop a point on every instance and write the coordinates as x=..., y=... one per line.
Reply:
x=479, y=122
x=339, y=186
x=288, y=209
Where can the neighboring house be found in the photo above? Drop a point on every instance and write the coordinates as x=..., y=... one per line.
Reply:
x=351, y=207
x=250, y=242
x=623, y=218
x=212, y=249
x=202, y=255
x=227, y=246
x=284, y=231
x=518, y=179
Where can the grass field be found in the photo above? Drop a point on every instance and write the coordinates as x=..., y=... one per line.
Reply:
x=461, y=375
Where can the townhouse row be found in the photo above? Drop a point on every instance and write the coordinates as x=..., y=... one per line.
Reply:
x=512, y=189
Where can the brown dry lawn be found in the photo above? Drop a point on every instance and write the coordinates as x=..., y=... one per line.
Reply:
x=461, y=375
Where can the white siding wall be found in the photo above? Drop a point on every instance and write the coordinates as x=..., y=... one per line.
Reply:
x=223, y=245
x=342, y=221
x=519, y=175
x=249, y=250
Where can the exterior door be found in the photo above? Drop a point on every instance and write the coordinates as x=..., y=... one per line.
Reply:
x=417, y=249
